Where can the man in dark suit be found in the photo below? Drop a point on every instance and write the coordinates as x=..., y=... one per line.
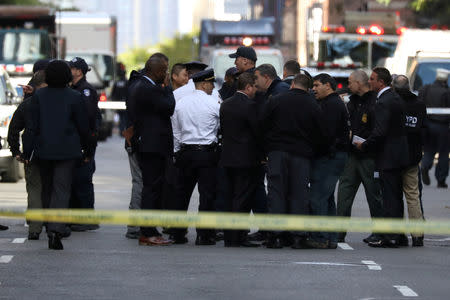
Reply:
x=388, y=140
x=239, y=124
x=293, y=130
x=152, y=105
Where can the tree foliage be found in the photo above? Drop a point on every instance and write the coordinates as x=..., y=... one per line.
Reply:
x=179, y=49
x=20, y=2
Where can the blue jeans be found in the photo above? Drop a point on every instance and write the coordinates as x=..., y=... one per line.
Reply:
x=325, y=174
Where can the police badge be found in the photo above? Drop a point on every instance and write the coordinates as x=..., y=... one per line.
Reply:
x=364, y=118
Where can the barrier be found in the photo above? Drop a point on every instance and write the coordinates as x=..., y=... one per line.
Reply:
x=231, y=220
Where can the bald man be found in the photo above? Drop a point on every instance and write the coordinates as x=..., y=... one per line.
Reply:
x=360, y=167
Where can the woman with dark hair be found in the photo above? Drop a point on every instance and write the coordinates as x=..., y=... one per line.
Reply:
x=60, y=137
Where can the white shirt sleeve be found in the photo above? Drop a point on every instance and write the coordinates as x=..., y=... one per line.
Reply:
x=176, y=131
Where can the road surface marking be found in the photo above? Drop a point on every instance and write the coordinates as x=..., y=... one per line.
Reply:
x=4, y=259
x=345, y=246
x=19, y=240
x=438, y=240
x=371, y=265
x=406, y=291
x=324, y=263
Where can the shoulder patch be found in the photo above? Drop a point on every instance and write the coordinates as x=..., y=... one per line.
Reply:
x=87, y=92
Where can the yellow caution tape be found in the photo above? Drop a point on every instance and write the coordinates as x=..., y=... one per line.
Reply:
x=230, y=220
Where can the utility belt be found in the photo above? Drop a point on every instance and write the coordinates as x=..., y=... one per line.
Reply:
x=194, y=147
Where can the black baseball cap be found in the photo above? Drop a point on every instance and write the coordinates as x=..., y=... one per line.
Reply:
x=79, y=63
x=206, y=75
x=247, y=52
x=231, y=71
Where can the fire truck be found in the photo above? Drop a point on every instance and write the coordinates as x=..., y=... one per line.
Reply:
x=218, y=39
x=364, y=41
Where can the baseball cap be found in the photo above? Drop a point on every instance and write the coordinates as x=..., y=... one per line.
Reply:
x=79, y=63
x=243, y=51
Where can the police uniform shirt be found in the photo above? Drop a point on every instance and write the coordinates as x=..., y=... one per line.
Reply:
x=196, y=120
x=189, y=88
x=89, y=95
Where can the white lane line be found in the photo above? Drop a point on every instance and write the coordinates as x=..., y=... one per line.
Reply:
x=438, y=240
x=371, y=265
x=323, y=263
x=19, y=240
x=406, y=291
x=345, y=246
x=4, y=259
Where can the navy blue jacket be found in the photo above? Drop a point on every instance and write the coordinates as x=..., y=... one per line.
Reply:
x=60, y=125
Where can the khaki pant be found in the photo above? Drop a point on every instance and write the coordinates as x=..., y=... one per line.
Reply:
x=410, y=179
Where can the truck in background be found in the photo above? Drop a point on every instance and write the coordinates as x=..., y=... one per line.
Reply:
x=364, y=41
x=27, y=33
x=218, y=39
x=93, y=36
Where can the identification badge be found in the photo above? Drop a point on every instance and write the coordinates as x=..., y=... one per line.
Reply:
x=376, y=174
x=364, y=118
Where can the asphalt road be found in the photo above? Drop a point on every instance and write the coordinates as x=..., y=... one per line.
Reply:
x=103, y=264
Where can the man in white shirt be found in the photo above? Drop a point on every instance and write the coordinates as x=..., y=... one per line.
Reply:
x=195, y=124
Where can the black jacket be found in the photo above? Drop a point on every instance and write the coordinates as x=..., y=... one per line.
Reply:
x=119, y=90
x=150, y=107
x=240, y=132
x=415, y=115
x=361, y=110
x=90, y=98
x=226, y=91
x=59, y=125
x=276, y=87
x=293, y=122
x=21, y=120
x=434, y=95
x=388, y=138
x=337, y=123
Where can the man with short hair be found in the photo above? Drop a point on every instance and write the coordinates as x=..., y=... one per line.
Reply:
x=150, y=105
x=268, y=82
x=438, y=134
x=388, y=140
x=360, y=167
x=290, y=69
x=178, y=76
x=226, y=91
x=293, y=130
x=195, y=125
x=329, y=163
x=416, y=113
x=83, y=195
x=245, y=59
x=239, y=156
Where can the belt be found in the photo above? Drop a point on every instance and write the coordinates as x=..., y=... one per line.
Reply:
x=210, y=147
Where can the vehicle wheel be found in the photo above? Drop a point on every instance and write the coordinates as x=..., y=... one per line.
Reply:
x=12, y=175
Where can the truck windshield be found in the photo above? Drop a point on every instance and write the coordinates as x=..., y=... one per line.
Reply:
x=426, y=73
x=103, y=63
x=223, y=62
x=345, y=52
x=22, y=46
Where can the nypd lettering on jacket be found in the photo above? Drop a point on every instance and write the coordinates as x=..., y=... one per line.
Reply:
x=411, y=121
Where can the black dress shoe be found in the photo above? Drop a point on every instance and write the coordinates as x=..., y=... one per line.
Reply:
x=219, y=236
x=3, y=227
x=402, y=241
x=371, y=238
x=382, y=243
x=442, y=185
x=205, y=241
x=178, y=239
x=33, y=236
x=256, y=236
x=274, y=243
x=332, y=245
x=425, y=177
x=78, y=227
x=299, y=243
x=312, y=244
x=66, y=233
x=417, y=241
x=133, y=235
x=54, y=241
x=248, y=244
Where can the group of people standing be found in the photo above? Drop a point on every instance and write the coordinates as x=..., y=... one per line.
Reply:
x=296, y=133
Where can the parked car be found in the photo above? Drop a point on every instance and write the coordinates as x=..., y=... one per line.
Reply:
x=10, y=169
x=423, y=68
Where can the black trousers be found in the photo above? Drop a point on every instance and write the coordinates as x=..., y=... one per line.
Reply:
x=288, y=176
x=56, y=178
x=196, y=167
x=153, y=169
x=82, y=187
x=392, y=193
x=242, y=187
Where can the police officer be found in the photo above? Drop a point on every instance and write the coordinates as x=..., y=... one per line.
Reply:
x=82, y=186
x=195, y=124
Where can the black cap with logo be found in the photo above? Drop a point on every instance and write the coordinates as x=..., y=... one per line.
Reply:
x=79, y=63
x=247, y=52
